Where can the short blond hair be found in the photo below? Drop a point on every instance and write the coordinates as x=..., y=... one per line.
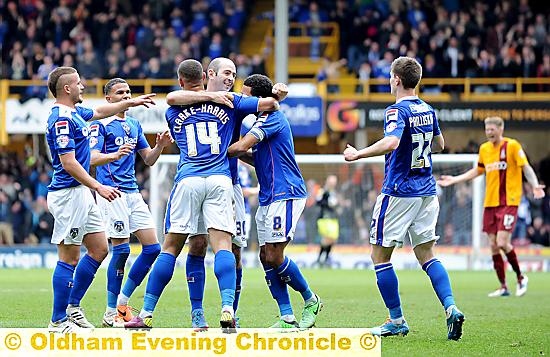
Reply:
x=498, y=121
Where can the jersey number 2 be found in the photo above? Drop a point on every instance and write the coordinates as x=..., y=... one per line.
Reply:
x=206, y=137
x=420, y=153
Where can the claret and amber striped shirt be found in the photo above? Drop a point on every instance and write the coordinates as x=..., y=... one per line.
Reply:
x=502, y=165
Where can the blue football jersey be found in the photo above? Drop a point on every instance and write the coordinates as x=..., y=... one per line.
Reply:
x=409, y=167
x=203, y=132
x=68, y=131
x=278, y=173
x=106, y=136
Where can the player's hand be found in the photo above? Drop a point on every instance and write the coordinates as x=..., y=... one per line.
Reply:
x=350, y=154
x=538, y=192
x=108, y=193
x=445, y=180
x=164, y=139
x=146, y=100
x=221, y=97
x=280, y=90
x=124, y=150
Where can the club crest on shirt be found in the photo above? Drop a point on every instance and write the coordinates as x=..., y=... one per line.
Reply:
x=93, y=141
x=126, y=128
x=118, y=226
x=73, y=233
x=85, y=131
x=62, y=141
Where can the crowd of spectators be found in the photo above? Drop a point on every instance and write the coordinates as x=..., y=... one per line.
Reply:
x=111, y=38
x=450, y=38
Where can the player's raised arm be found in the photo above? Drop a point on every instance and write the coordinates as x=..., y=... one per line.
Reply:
x=109, y=109
x=187, y=97
x=150, y=156
x=383, y=146
x=97, y=158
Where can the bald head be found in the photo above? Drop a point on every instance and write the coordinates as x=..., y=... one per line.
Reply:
x=58, y=78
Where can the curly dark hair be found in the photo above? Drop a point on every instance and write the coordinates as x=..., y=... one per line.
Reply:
x=260, y=85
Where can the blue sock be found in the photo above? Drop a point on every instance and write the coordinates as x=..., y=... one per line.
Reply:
x=115, y=272
x=238, y=282
x=83, y=276
x=290, y=274
x=158, y=279
x=196, y=278
x=140, y=268
x=224, y=268
x=440, y=281
x=387, y=282
x=62, y=282
x=279, y=290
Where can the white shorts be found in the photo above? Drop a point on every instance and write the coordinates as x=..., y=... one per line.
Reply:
x=277, y=222
x=395, y=217
x=76, y=214
x=125, y=215
x=242, y=225
x=195, y=198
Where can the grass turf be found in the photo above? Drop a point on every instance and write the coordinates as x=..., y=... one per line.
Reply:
x=493, y=327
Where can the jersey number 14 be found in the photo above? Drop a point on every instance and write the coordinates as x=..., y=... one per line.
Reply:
x=422, y=143
x=206, y=137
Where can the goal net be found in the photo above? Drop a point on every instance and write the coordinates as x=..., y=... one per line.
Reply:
x=359, y=183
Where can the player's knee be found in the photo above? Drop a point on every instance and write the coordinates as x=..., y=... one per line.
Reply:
x=99, y=253
x=273, y=259
x=198, y=246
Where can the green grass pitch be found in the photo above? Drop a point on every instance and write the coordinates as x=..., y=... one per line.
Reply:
x=493, y=327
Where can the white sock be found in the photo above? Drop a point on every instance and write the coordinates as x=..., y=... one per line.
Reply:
x=110, y=310
x=398, y=321
x=288, y=318
x=143, y=314
x=122, y=299
x=312, y=299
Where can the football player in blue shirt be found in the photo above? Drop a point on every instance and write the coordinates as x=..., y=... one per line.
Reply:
x=408, y=205
x=203, y=192
x=221, y=77
x=114, y=142
x=282, y=200
x=77, y=217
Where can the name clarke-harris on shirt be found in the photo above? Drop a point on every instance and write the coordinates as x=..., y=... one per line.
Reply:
x=204, y=108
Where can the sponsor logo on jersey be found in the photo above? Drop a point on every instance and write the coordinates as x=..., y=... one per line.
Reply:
x=62, y=128
x=391, y=127
x=277, y=234
x=496, y=166
x=391, y=115
x=118, y=226
x=119, y=141
x=94, y=130
x=62, y=141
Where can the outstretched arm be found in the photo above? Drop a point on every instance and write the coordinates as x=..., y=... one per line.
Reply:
x=109, y=109
x=538, y=189
x=98, y=159
x=381, y=147
x=446, y=180
x=438, y=144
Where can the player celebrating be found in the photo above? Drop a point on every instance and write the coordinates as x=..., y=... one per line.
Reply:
x=221, y=77
x=282, y=200
x=203, y=192
x=503, y=161
x=408, y=205
x=77, y=217
x=114, y=142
